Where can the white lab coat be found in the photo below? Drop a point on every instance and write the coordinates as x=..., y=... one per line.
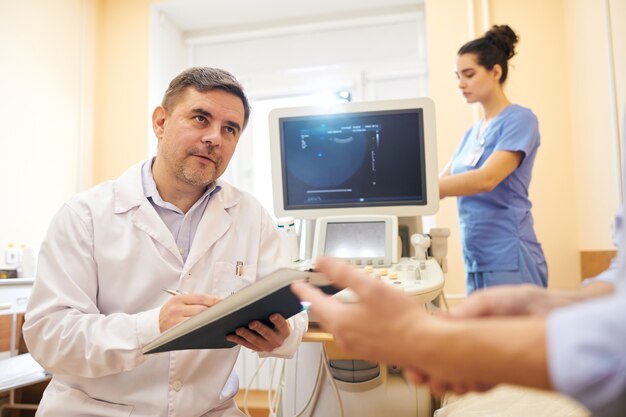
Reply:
x=97, y=297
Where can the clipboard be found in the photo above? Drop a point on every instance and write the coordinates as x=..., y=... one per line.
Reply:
x=259, y=300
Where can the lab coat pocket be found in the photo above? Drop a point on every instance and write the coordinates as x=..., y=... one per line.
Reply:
x=228, y=278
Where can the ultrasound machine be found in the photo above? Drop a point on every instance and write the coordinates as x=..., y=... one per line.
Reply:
x=359, y=177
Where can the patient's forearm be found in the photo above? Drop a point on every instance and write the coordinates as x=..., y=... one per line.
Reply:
x=561, y=298
x=496, y=350
x=596, y=289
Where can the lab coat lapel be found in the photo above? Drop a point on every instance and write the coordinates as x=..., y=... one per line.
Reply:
x=130, y=199
x=214, y=224
x=147, y=219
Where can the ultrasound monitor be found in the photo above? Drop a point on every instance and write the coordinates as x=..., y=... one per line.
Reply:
x=376, y=157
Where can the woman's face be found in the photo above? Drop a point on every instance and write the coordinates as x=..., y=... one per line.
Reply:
x=476, y=82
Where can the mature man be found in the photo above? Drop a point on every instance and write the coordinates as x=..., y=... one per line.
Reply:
x=168, y=222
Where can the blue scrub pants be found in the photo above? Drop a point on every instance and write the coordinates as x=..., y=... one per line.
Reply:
x=529, y=272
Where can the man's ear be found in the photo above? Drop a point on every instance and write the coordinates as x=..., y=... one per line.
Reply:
x=158, y=121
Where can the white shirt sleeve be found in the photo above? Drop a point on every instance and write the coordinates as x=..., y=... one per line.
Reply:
x=587, y=350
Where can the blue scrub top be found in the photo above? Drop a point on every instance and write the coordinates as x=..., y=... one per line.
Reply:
x=496, y=223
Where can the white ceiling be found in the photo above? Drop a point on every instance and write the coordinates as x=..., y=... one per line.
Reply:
x=198, y=17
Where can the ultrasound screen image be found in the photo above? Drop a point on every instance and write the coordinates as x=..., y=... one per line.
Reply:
x=352, y=160
x=355, y=240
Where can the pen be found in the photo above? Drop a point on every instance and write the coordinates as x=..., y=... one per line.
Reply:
x=172, y=292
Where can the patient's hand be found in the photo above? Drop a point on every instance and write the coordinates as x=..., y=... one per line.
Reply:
x=527, y=299
x=438, y=387
x=506, y=300
x=378, y=327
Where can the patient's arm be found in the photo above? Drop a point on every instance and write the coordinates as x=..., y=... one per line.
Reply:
x=475, y=354
x=595, y=289
x=512, y=300
x=389, y=327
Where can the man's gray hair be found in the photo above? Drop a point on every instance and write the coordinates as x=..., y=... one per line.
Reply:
x=205, y=79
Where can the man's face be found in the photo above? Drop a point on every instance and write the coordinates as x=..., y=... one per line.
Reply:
x=198, y=135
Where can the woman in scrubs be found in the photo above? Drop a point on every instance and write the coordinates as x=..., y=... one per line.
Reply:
x=490, y=171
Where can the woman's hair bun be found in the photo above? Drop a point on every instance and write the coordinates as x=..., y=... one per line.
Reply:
x=504, y=38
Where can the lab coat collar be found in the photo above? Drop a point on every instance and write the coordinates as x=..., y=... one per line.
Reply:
x=129, y=191
x=229, y=196
x=128, y=194
x=215, y=221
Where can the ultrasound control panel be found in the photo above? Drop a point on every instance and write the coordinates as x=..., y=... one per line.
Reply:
x=422, y=279
x=370, y=243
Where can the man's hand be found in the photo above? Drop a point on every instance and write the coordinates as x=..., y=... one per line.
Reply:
x=181, y=307
x=261, y=338
x=377, y=327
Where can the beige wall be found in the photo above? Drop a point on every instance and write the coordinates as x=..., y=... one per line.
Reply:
x=618, y=26
x=453, y=115
x=595, y=107
x=121, y=106
x=75, y=88
x=561, y=73
x=40, y=114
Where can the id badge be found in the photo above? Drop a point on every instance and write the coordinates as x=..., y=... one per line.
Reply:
x=474, y=156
